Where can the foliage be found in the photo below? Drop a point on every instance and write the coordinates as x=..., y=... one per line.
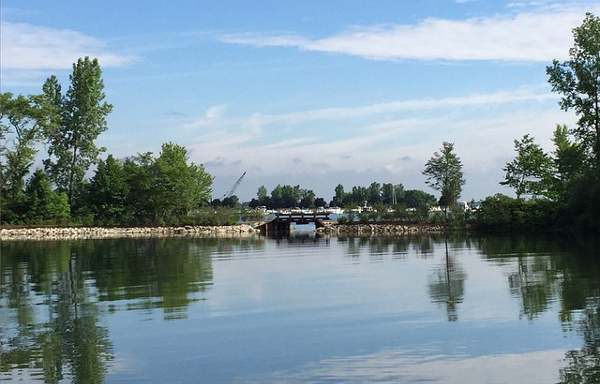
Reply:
x=23, y=123
x=342, y=220
x=262, y=192
x=80, y=117
x=578, y=81
x=45, y=206
x=363, y=217
x=568, y=163
x=444, y=174
x=166, y=186
x=530, y=171
x=500, y=212
x=108, y=192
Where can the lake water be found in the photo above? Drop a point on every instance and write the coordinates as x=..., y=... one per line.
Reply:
x=301, y=310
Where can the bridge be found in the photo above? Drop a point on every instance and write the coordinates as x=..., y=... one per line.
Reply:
x=283, y=221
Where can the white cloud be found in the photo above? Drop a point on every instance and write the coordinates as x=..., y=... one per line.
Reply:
x=534, y=37
x=28, y=49
x=376, y=137
x=396, y=365
x=258, y=121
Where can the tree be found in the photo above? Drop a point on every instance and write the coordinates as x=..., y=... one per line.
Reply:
x=179, y=187
x=81, y=117
x=262, y=192
x=374, y=193
x=529, y=172
x=338, y=198
x=392, y=194
x=578, y=80
x=358, y=196
x=108, y=192
x=444, y=174
x=44, y=204
x=167, y=186
x=568, y=161
x=23, y=123
x=307, y=198
x=320, y=202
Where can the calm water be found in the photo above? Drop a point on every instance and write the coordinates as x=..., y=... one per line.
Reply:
x=303, y=310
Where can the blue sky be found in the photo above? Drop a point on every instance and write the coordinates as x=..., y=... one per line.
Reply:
x=308, y=92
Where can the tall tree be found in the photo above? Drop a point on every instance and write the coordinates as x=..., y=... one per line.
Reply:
x=529, y=171
x=81, y=117
x=578, y=81
x=444, y=174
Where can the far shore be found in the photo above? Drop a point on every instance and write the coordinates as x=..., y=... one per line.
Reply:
x=238, y=230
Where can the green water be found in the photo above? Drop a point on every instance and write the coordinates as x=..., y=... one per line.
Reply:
x=301, y=310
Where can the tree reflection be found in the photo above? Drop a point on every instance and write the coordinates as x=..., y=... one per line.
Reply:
x=447, y=285
x=584, y=364
x=52, y=296
x=69, y=343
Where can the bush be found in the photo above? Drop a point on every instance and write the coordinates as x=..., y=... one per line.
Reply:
x=500, y=212
x=363, y=217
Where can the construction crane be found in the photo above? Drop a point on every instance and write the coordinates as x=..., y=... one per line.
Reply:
x=232, y=190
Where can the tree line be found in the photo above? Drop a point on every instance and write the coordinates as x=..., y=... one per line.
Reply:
x=563, y=186
x=376, y=194
x=140, y=189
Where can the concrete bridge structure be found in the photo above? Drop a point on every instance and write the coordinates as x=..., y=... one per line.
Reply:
x=283, y=221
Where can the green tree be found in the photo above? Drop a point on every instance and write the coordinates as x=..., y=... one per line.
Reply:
x=338, y=198
x=578, y=81
x=307, y=198
x=444, y=174
x=142, y=201
x=262, y=192
x=529, y=172
x=358, y=196
x=43, y=204
x=166, y=186
x=568, y=161
x=180, y=187
x=392, y=194
x=374, y=193
x=23, y=123
x=415, y=198
x=108, y=192
x=81, y=117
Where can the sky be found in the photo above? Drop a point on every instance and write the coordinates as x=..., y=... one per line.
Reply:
x=309, y=92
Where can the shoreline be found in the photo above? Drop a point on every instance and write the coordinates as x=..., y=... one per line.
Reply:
x=89, y=233
x=239, y=230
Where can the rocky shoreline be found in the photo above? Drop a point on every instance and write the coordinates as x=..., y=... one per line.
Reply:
x=330, y=229
x=67, y=233
x=394, y=229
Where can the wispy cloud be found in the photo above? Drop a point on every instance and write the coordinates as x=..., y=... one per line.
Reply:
x=521, y=37
x=258, y=121
x=27, y=49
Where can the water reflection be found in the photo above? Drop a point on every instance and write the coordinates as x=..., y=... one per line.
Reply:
x=447, y=284
x=57, y=300
x=51, y=296
x=64, y=341
x=583, y=365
